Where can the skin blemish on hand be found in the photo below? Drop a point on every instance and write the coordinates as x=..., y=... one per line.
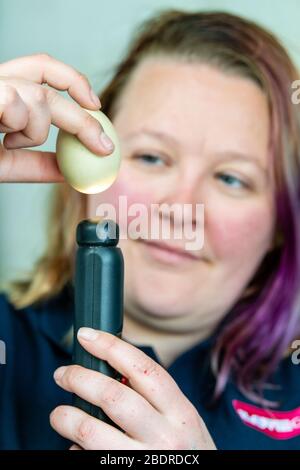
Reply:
x=124, y=380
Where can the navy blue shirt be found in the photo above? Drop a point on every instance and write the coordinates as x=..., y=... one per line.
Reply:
x=28, y=393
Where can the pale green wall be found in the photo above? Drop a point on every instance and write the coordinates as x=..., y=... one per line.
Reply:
x=91, y=35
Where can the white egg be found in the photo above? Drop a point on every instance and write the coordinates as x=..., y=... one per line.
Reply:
x=83, y=170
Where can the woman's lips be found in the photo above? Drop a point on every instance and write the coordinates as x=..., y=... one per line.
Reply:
x=169, y=254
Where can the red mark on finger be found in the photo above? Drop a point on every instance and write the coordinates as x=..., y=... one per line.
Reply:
x=124, y=380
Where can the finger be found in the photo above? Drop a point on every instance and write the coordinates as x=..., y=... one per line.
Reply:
x=129, y=410
x=28, y=166
x=37, y=129
x=45, y=106
x=68, y=116
x=42, y=68
x=14, y=114
x=88, y=432
x=145, y=376
x=75, y=447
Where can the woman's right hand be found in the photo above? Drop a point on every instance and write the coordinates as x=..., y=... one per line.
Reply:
x=27, y=108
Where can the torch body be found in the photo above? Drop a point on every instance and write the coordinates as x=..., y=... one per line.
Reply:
x=99, y=281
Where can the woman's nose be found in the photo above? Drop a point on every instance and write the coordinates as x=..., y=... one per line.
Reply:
x=185, y=194
x=184, y=187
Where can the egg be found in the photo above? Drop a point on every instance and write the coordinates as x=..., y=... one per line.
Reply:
x=83, y=170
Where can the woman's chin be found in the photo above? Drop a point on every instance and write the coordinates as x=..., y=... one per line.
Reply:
x=156, y=306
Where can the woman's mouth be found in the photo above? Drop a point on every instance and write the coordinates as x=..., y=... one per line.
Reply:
x=169, y=254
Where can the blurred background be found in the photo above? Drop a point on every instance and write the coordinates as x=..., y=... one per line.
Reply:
x=91, y=35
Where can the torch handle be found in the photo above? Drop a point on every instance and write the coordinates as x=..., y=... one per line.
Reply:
x=99, y=280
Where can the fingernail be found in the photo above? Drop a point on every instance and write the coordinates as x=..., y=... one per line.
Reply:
x=95, y=99
x=106, y=141
x=59, y=373
x=87, y=333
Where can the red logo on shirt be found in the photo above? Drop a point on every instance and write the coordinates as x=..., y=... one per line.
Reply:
x=275, y=424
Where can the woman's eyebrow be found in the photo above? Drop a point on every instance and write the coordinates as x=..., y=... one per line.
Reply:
x=162, y=135
x=227, y=155
x=235, y=155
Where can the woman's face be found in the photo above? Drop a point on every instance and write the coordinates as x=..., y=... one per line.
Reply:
x=191, y=134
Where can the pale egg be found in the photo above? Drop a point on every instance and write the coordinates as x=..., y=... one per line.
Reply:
x=83, y=170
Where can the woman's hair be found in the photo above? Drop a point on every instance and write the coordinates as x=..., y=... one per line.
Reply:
x=260, y=328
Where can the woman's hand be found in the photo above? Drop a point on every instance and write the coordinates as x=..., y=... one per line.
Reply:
x=27, y=108
x=152, y=411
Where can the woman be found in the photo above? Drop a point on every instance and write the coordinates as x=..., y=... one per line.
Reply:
x=203, y=109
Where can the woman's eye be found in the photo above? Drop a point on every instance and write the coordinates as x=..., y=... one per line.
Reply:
x=153, y=160
x=232, y=181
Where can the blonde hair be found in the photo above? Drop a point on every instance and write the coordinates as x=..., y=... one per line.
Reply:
x=56, y=267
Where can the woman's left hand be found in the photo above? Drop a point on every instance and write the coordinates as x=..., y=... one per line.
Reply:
x=152, y=411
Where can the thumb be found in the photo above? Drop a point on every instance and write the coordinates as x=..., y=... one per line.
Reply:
x=28, y=166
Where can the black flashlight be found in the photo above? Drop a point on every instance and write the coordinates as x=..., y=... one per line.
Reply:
x=99, y=285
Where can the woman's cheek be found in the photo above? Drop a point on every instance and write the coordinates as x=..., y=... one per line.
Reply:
x=240, y=234
x=120, y=198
